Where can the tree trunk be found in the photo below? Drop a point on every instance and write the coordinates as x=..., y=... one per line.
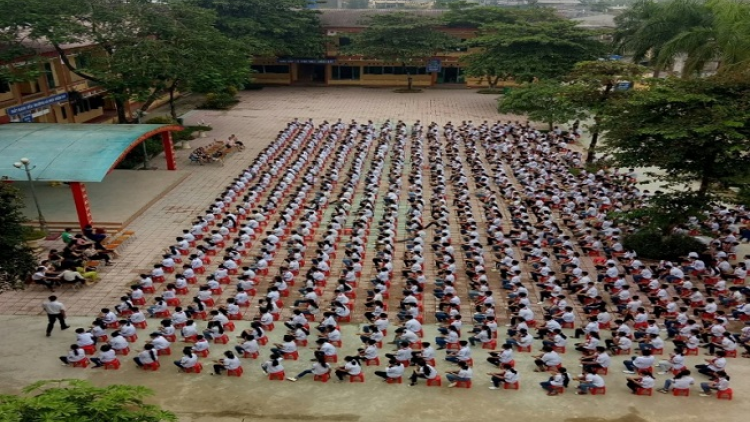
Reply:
x=172, y=109
x=151, y=98
x=409, y=82
x=120, y=106
x=551, y=125
x=592, y=147
x=493, y=82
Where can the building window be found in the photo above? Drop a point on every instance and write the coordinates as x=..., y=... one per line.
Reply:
x=4, y=86
x=267, y=68
x=49, y=74
x=343, y=41
x=395, y=70
x=345, y=72
x=63, y=112
x=87, y=104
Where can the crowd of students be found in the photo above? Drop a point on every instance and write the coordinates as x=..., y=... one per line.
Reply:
x=470, y=200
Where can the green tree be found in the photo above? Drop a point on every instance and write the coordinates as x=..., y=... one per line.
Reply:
x=403, y=37
x=691, y=130
x=543, y=101
x=17, y=260
x=701, y=31
x=476, y=16
x=270, y=28
x=137, y=48
x=524, y=51
x=79, y=401
x=591, y=86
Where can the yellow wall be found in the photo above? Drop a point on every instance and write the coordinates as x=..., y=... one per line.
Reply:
x=394, y=80
x=272, y=78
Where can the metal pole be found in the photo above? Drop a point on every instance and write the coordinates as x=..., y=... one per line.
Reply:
x=42, y=222
x=145, y=149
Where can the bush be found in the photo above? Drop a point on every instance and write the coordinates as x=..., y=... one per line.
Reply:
x=653, y=245
x=160, y=120
x=494, y=91
x=219, y=101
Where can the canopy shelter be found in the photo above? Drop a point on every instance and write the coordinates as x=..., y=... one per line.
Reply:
x=75, y=153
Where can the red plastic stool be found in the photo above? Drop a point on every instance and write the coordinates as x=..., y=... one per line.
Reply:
x=164, y=352
x=90, y=349
x=196, y=369
x=373, y=362
x=332, y=359
x=123, y=352
x=229, y=326
x=293, y=355
x=222, y=339
x=398, y=380
x=490, y=345
x=202, y=353
x=115, y=364
x=322, y=378
x=725, y=394
x=249, y=355
x=681, y=392
x=435, y=382
x=153, y=366
x=235, y=372
x=644, y=391
x=83, y=363
x=132, y=338
x=278, y=376
x=511, y=386
x=595, y=391
x=141, y=325
x=357, y=378
x=463, y=384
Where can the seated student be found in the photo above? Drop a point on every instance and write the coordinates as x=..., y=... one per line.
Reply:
x=507, y=376
x=48, y=279
x=351, y=367
x=188, y=360
x=319, y=367
x=228, y=362
x=106, y=355
x=590, y=379
x=118, y=341
x=558, y=379
x=147, y=356
x=84, y=338
x=720, y=382
x=713, y=364
x=288, y=346
x=682, y=380
x=505, y=356
x=394, y=370
x=75, y=354
x=464, y=373
x=423, y=370
x=71, y=276
x=547, y=360
x=273, y=364
x=645, y=381
x=201, y=344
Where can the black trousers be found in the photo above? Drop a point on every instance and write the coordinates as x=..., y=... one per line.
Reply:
x=51, y=322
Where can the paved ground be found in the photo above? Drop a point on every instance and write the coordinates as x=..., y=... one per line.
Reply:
x=203, y=398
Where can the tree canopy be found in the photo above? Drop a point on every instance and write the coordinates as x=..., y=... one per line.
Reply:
x=268, y=28
x=692, y=130
x=399, y=37
x=542, y=101
x=700, y=31
x=525, y=50
x=135, y=48
x=17, y=260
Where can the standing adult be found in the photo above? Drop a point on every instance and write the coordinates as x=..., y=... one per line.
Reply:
x=55, y=311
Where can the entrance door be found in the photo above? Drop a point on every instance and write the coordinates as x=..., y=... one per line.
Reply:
x=311, y=73
x=450, y=75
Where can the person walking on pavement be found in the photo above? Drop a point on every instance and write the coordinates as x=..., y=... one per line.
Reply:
x=55, y=311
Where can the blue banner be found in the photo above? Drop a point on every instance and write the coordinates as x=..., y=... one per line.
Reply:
x=434, y=65
x=44, y=102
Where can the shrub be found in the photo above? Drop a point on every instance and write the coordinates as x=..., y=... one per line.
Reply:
x=654, y=245
x=219, y=101
x=160, y=120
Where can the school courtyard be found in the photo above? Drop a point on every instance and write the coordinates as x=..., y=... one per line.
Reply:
x=28, y=356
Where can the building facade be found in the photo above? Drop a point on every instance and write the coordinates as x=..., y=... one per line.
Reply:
x=337, y=70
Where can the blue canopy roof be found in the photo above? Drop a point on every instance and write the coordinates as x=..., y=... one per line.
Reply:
x=69, y=152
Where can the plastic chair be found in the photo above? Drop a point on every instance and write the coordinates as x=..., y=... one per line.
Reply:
x=725, y=394
x=222, y=339
x=373, y=362
x=463, y=384
x=598, y=391
x=278, y=376
x=153, y=366
x=293, y=355
x=322, y=378
x=644, y=391
x=681, y=392
x=115, y=364
x=357, y=378
x=83, y=363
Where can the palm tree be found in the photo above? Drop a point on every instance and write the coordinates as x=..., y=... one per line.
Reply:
x=700, y=31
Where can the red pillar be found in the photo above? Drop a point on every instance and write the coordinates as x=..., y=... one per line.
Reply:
x=166, y=139
x=81, y=199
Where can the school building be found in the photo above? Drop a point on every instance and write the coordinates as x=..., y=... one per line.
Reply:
x=335, y=69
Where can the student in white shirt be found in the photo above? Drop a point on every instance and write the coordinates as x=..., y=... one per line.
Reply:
x=106, y=355
x=319, y=367
x=229, y=362
x=75, y=354
x=273, y=365
x=720, y=382
x=424, y=371
x=147, y=356
x=394, y=370
x=189, y=359
x=682, y=380
x=589, y=380
x=644, y=381
x=464, y=373
x=351, y=367
x=507, y=376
